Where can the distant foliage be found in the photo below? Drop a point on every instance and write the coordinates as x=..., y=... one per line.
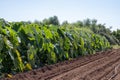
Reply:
x=52, y=20
x=117, y=34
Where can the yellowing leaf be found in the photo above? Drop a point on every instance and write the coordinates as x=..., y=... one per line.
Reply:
x=9, y=75
x=28, y=66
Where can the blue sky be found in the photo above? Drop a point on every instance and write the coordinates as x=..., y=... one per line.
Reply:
x=105, y=11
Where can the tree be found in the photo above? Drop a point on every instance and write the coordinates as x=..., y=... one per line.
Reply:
x=54, y=20
x=87, y=22
x=117, y=34
x=46, y=21
x=79, y=24
x=94, y=22
x=65, y=23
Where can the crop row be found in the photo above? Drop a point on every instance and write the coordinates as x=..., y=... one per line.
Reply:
x=29, y=46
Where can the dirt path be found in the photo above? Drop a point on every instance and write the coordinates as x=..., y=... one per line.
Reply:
x=100, y=66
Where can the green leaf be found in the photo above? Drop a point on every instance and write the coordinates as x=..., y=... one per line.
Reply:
x=48, y=33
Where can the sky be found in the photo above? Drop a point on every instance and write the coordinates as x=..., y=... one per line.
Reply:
x=105, y=11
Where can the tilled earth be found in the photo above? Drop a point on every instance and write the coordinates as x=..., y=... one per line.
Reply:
x=100, y=66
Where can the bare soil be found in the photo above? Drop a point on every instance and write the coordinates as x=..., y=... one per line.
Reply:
x=99, y=66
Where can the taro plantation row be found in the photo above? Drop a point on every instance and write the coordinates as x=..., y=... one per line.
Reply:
x=29, y=45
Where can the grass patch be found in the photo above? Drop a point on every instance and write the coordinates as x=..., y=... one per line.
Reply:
x=115, y=46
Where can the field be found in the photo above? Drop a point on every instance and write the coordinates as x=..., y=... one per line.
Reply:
x=101, y=66
x=44, y=51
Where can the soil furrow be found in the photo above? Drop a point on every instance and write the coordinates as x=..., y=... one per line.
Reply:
x=83, y=70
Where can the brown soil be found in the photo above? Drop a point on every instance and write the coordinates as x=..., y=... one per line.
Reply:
x=100, y=66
